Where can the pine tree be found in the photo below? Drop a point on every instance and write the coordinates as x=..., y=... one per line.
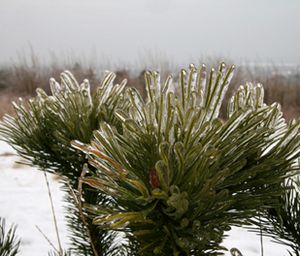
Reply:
x=9, y=242
x=165, y=175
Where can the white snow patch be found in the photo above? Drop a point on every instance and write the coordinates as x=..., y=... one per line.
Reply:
x=24, y=201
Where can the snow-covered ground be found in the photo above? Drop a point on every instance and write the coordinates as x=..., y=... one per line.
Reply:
x=24, y=201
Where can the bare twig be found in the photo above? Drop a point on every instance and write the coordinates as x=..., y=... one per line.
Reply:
x=53, y=214
x=78, y=202
x=83, y=173
x=48, y=240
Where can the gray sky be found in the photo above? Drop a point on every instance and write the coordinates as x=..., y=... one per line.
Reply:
x=134, y=30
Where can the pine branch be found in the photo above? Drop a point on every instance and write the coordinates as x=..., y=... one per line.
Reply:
x=9, y=243
x=282, y=222
x=180, y=175
x=41, y=133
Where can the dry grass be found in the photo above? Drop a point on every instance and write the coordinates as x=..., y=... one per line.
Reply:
x=21, y=80
x=6, y=98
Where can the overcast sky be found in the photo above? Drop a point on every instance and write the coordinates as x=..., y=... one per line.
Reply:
x=129, y=30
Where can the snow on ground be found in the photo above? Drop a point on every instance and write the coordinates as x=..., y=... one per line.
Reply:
x=24, y=201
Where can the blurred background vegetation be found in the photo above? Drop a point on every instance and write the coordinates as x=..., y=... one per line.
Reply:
x=20, y=79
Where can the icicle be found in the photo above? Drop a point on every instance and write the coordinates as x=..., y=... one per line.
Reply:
x=135, y=111
x=259, y=95
x=222, y=67
x=221, y=93
x=108, y=79
x=69, y=81
x=122, y=85
x=149, y=86
x=250, y=98
x=209, y=88
x=85, y=86
x=157, y=85
x=168, y=85
x=192, y=83
x=41, y=94
x=201, y=79
x=106, y=86
x=216, y=94
x=241, y=97
x=121, y=116
x=86, y=90
x=182, y=81
x=54, y=86
x=230, y=107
